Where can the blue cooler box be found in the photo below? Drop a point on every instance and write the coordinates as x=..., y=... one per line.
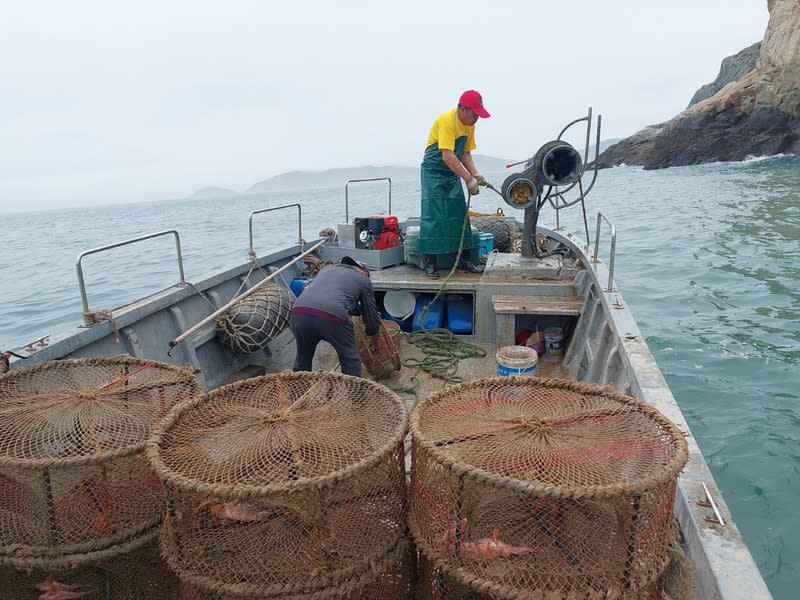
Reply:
x=459, y=314
x=434, y=318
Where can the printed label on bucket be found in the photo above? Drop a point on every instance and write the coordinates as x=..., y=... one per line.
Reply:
x=505, y=371
x=553, y=340
x=516, y=360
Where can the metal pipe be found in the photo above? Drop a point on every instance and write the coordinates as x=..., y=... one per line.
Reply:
x=257, y=286
x=613, y=248
x=251, y=253
x=79, y=268
x=349, y=181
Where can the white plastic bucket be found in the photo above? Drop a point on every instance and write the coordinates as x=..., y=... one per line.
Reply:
x=399, y=304
x=553, y=340
x=516, y=360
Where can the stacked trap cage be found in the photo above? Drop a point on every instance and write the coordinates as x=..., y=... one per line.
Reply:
x=528, y=487
x=380, y=353
x=288, y=485
x=79, y=503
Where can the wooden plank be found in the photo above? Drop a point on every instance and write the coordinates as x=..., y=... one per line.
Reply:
x=538, y=305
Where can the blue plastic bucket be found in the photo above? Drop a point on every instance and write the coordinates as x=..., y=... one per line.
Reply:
x=516, y=360
x=459, y=314
x=434, y=317
x=297, y=285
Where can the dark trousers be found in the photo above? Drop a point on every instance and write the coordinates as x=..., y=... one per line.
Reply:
x=310, y=331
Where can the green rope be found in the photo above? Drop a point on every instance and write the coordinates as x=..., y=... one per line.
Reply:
x=442, y=347
x=443, y=350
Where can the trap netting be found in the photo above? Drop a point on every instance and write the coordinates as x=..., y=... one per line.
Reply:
x=391, y=578
x=528, y=486
x=255, y=320
x=138, y=573
x=74, y=476
x=434, y=583
x=282, y=484
x=380, y=353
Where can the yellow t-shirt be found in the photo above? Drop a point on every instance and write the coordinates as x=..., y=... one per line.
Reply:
x=447, y=128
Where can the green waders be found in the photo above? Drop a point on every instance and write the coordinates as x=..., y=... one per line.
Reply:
x=443, y=205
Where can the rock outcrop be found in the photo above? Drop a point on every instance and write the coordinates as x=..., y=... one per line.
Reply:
x=732, y=69
x=758, y=114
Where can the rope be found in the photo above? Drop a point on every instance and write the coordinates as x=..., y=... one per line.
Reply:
x=443, y=350
x=441, y=346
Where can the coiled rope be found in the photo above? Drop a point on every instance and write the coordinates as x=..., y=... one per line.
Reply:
x=442, y=349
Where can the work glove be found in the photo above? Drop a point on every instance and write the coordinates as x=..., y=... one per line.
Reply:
x=472, y=187
x=480, y=179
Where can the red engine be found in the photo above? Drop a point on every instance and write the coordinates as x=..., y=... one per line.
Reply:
x=378, y=232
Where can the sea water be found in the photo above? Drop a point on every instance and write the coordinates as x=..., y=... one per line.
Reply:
x=707, y=257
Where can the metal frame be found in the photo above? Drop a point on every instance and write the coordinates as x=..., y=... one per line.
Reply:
x=346, y=199
x=600, y=216
x=79, y=268
x=251, y=253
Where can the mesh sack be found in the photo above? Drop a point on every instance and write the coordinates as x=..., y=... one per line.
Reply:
x=524, y=486
x=136, y=572
x=282, y=484
x=380, y=353
x=74, y=477
x=391, y=578
x=251, y=323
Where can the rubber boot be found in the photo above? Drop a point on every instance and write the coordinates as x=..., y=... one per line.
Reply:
x=466, y=264
x=430, y=266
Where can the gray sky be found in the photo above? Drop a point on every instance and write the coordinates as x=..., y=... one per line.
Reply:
x=104, y=101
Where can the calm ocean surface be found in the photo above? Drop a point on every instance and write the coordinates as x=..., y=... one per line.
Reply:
x=708, y=257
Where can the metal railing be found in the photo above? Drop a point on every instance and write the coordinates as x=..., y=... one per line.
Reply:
x=251, y=253
x=79, y=268
x=346, y=199
x=601, y=216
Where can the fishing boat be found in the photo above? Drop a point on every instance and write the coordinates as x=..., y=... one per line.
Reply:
x=538, y=286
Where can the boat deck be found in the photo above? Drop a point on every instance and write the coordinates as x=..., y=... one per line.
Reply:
x=549, y=280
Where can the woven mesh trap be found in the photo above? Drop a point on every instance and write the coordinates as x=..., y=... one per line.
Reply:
x=391, y=578
x=379, y=353
x=74, y=477
x=528, y=486
x=138, y=573
x=251, y=323
x=282, y=484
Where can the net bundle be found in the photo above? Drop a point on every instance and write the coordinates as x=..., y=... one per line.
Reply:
x=75, y=482
x=137, y=573
x=282, y=485
x=527, y=486
x=380, y=353
x=255, y=320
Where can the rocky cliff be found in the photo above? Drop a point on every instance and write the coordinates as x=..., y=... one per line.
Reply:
x=756, y=113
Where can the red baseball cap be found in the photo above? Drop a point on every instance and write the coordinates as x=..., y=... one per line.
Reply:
x=472, y=99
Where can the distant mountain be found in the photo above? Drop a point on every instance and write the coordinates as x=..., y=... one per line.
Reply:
x=329, y=177
x=294, y=179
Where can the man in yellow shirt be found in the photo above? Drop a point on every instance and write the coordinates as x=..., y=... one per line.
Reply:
x=448, y=161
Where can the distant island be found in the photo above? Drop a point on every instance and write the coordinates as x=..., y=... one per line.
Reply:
x=329, y=177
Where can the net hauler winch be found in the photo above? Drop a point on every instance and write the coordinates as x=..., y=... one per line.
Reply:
x=555, y=169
